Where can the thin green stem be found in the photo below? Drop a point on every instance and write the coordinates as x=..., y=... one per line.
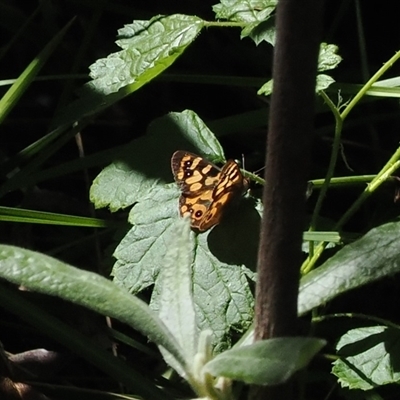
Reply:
x=331, y=167
x=368, y=85
x=332, y=161
x=341, y=181
x=372, y=318
x=372, y=187
x=383, y=175
x=227, y=24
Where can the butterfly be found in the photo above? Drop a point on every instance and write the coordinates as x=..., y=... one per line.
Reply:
x=206, y=189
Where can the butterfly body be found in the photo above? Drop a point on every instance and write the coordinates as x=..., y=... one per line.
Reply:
x=206, y=189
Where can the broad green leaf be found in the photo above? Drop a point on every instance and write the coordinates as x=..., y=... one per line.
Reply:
x=175, y=297
x=141, y=253
x=44, y=274
x=220, y=263
x=266, y=362
x=372, y=257
x=369, y=357
x=88, y=349
x=223, y=257
x=148, y=49
x=255, y=14
x=144, y=163
x=263, y=31
x=244, y=10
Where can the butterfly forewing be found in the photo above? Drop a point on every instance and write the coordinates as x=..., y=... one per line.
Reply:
x=193, y=173
x=230, y=181
x=206, y=189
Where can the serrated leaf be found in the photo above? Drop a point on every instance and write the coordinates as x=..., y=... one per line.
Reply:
x=223, y=257
x=149, y=47
x=140, y=254
x=261, y=31
x=144, y=163
x=372, y=257
x=328, y=57
x=323, y=82
x=255, y=13
x=266, y=362
x=266, y=89
x=369, y=357
x=220, y=266
x=244, y=10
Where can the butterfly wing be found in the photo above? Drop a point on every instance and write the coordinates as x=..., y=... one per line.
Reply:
x=193, y=173
x=231, y=184
x=197, y=179
x=206, y=189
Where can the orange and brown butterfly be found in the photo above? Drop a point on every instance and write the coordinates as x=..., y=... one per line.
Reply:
x=206, y=189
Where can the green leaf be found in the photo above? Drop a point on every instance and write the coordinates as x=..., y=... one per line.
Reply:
x=222, y=259
x=44, y=274
x=267, y=362
x=323, y=82
x=148, y=49
x=144, y=163
x=174, y=293
x=244, y=10
x=220, y=266
x=261, y=31
x=266, y=89
x=88, y=349
x=372, y=257
x=40, y=217
x=369, y=357
x=256, y=14
x=328, y=57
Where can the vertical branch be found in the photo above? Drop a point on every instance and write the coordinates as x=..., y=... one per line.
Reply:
x=287, y=168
